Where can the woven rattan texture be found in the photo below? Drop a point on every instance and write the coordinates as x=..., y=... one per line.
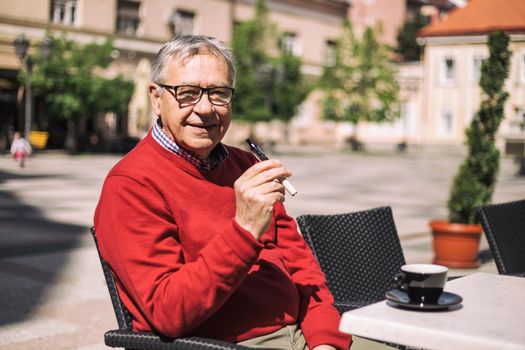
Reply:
x=149, y=341
x=121, y=312
x=124, y=337
x=504, y=226
x=359, y=252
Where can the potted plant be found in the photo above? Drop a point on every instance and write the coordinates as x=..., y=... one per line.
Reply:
x=456, y=241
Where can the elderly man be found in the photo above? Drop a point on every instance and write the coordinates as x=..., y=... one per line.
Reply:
x=195, y=231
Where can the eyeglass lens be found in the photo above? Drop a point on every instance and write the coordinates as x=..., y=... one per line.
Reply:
x=192, y=94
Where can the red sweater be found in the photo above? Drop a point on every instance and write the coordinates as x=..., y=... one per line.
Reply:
x=184, y=267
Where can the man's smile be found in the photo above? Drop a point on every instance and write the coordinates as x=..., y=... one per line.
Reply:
x=203, y=126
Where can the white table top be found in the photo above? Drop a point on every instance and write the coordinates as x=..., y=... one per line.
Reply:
x=491, y=317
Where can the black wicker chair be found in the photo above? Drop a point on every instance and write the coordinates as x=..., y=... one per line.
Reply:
x=504, y=226
x=125, y=337
x=359, y=252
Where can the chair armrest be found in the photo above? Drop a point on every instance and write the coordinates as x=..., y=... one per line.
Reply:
x=151, y=341
x=343, y=306
x=515, y=274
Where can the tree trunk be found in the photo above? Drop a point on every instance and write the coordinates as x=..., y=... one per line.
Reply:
x=354, y=142
x=287, y=132
x=71, y=137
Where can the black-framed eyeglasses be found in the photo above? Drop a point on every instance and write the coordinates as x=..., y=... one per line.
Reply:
x=191, y=94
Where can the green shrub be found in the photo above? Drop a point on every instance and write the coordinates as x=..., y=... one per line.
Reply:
x=474, y=183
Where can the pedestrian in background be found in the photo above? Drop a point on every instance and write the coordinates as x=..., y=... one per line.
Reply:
x=20, y=149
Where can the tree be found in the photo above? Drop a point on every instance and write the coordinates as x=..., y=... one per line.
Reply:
x=407, y=45
x=71, y=83
x=249, y=46
x=361, y=85
x=267, y=88
x=474, y=183
x=289, y=89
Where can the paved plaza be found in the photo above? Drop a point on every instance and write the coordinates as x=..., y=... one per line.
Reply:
x=52, y=291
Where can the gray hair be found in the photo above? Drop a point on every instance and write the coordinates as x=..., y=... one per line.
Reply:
x=185, y=47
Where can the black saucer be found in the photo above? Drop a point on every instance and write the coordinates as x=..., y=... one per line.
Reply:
x=399, y=298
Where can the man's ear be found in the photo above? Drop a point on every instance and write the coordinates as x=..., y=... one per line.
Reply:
x=155, y=94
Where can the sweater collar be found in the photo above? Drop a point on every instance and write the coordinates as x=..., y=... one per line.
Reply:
x=217, y=155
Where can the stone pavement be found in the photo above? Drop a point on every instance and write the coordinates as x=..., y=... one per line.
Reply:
x=52, y=291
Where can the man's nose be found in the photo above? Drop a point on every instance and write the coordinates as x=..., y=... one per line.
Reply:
x=204, y=105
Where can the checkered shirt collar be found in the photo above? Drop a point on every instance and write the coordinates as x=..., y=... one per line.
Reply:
x=217, y=156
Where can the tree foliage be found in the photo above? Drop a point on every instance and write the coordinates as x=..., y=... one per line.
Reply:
x=407, y=45
x=250, y=40
x=288, y=86
x=474, y=183
x=71, y=82
x=361, y=85
x=270, y=83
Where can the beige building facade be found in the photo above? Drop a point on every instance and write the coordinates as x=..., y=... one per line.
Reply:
x=454, y=50
x=389, y=14
x=433, y=111
x=451, y=88
x=441, y=94
x=139, y=27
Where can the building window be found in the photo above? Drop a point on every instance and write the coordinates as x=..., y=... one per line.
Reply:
x=521, y=116
x=330, y=53
x=63, y=11
x=128, y=17
x=476, y=68
x=182, y=22
x=446, y=123
x=448, y=70
x=290, y=44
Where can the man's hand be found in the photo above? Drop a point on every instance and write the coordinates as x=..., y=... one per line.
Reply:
x=256, y=192
x=324, y=347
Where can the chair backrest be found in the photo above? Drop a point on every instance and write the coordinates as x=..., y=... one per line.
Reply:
x=121, y=312
x=359, y=252
x=504, y=227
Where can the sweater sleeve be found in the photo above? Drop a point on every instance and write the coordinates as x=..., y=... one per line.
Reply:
x=138, y=238
x=318, y=317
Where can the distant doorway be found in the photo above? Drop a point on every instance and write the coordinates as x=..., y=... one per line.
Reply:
x=9, y=122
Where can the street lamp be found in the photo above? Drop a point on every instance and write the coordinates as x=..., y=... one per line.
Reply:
x=21, y=45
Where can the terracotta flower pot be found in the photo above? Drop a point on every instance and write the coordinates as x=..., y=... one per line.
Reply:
x=456, y=245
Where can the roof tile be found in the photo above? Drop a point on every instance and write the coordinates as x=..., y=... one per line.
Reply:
x=480, y=17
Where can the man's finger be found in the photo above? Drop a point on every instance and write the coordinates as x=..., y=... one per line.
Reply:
x=260, y=167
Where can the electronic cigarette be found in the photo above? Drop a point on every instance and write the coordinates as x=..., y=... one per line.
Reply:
x=260, y=154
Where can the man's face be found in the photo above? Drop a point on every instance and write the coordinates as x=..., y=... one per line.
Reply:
x=196, y=127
